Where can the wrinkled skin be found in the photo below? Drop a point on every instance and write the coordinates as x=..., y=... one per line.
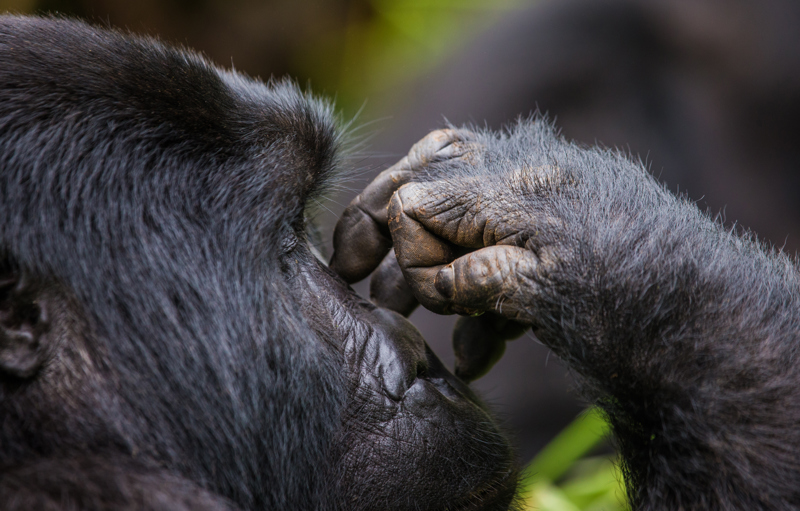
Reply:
x=682, y=331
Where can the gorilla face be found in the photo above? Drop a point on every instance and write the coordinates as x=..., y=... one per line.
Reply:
x=168, y=338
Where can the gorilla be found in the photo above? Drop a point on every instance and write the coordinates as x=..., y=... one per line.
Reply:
x=168, y=340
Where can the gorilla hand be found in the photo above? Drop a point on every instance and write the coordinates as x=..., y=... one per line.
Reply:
x=361, y=239
x=455, y=249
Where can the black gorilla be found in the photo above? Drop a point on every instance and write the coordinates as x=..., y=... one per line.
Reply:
x=683, y=332
x=167, y=339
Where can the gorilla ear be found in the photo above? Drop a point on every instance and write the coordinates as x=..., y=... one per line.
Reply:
x=23, y=325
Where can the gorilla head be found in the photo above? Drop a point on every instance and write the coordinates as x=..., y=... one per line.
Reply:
x=167, y=338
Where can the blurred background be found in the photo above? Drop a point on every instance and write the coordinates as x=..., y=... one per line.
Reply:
x=707, y=93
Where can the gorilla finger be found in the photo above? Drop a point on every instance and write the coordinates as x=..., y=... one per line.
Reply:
x=359, y=245
x=488, y=279
x=361, y=238
x=388, y=287
x=374, y=199
x=420, y=255
x=443, y=145
x=415, y=246
x=476, y=347
x=479, y=342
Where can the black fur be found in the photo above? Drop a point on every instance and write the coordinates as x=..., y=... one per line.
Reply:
x=684, y=332
x=196, y=355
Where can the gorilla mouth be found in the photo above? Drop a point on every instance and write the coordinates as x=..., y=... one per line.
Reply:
x=449, y=424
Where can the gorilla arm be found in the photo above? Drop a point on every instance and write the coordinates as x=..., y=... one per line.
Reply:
x=683, y=332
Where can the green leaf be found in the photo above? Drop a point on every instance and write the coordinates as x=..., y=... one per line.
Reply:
x=598, y=477
x=545, y=496
x=576, y=440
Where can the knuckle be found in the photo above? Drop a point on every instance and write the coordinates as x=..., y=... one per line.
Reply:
x=486, y=270
x=409, y=195
x=441, y=145
x=399, y=177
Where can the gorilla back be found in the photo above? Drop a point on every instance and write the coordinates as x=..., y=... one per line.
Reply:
x=167, y=338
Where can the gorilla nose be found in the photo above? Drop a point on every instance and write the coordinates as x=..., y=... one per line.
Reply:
x=395, y=356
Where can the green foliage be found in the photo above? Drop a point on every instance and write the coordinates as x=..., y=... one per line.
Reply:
x=562, y=478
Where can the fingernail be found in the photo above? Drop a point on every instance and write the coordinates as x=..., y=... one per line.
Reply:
x=445, y=281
